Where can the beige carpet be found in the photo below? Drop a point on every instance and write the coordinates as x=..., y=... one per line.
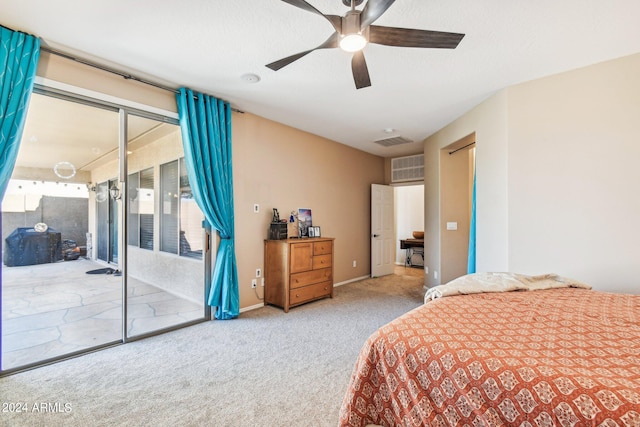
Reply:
x=266, y=368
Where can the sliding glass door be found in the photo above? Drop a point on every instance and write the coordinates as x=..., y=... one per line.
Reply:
x=102, y=242
x=56, y=298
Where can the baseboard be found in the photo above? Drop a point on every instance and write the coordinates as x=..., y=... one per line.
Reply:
x=351, y=280
x=251, y=307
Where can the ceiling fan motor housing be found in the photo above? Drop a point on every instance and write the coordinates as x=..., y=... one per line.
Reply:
x=351, y=23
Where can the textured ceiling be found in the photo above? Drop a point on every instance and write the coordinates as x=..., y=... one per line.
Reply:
x=208, y=45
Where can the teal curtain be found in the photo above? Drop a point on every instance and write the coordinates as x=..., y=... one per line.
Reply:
x=471, y=259
x=19, y=55
x=205, y=123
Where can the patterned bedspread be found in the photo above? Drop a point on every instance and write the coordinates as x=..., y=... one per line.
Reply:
x=559, y=357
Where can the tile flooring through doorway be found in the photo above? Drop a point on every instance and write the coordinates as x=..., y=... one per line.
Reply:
x=49, y=310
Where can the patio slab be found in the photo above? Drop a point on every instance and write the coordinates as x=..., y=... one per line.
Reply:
x=50, y=310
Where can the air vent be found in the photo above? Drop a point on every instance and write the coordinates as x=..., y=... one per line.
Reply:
x=410, y=168
x=396, y=140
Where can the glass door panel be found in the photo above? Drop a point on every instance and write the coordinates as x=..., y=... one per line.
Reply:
x=59, y=295
x=165, y=262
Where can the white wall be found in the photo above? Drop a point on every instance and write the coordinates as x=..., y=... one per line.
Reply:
x=574, y=180
x=558, y=181
x=409, y=213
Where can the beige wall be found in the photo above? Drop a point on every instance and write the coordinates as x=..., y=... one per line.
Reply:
x=277, y=166
x=63, y=70
x=557, y=176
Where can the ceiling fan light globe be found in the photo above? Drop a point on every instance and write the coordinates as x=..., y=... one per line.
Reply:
x=353, y=42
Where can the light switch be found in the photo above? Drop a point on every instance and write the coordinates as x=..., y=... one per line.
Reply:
x=256, y=208
x=452, y=225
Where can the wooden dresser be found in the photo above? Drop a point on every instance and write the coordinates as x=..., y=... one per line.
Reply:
x=297, y=271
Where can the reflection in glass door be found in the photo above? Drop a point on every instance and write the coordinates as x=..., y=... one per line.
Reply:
x=114, y=230
x=165, y=240
x=102, y=210
x=56, y=296
x=107, y=196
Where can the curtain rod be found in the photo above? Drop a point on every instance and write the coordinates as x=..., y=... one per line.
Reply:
x=116, y=72
x=461, y=148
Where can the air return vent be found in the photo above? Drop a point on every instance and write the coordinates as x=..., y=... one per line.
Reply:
x=396, y=140
x=410, y=168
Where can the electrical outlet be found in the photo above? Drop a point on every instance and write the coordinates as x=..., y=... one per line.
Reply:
x=355, y=263
x=426, y=270
x=435, y=274
x=254, y=283
x=258, y=272
x=256, y=208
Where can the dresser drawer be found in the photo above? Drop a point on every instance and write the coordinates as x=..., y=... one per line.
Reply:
x=310, y=292
x=322, y=248
x=321, y=261
x=309, y=277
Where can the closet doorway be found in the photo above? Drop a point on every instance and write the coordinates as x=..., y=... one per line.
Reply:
x=457, y=169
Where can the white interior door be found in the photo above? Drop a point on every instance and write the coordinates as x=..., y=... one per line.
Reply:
x=382, y=230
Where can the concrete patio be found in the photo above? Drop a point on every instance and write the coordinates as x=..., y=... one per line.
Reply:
x=50, y=310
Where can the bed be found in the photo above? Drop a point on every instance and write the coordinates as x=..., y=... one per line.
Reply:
x=506, y=350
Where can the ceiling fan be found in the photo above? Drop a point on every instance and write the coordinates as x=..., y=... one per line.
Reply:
x=354, y=30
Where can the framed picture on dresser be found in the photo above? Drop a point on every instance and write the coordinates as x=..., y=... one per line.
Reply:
x=304, y=222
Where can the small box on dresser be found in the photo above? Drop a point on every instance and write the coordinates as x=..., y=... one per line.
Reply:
x=297, y=271
x=278, y=231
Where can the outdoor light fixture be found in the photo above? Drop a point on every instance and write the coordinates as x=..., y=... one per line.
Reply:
x=115, y=192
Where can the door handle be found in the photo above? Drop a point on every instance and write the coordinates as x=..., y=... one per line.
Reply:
x=376, y=235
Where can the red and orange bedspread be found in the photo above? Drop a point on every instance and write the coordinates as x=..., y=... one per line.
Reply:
x=559, y=357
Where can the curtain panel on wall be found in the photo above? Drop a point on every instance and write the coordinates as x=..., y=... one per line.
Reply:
x=471, y=259
x=19, y=54
x=205, y=123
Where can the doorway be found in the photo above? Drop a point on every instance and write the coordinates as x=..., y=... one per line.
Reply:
x=396, y=213
x=409, y=208
x=457, y=169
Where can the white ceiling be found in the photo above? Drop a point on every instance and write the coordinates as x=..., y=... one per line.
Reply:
x=209, y=44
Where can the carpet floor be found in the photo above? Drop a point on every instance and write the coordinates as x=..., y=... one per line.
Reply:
x=266, y=368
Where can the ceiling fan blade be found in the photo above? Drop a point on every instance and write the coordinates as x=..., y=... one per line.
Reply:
x=373, y=10
x=332, y=42
x=406, y=37
x=335, y=20
x=276, y=65
x=360, y=70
